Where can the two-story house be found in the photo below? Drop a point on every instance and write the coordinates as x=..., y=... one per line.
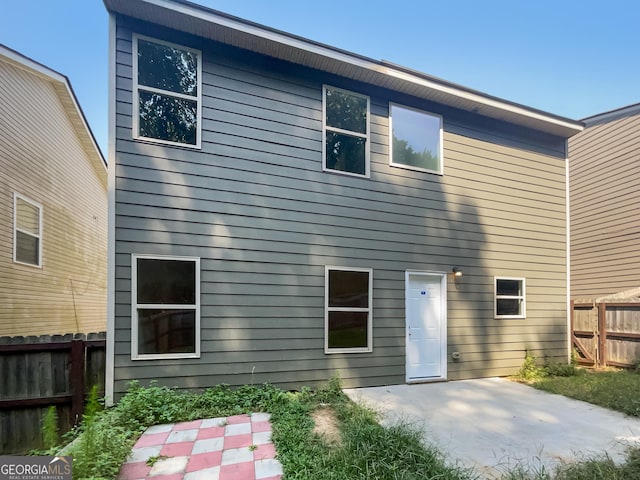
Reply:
x=282, y=210
x=53, y=197
x=605, y=221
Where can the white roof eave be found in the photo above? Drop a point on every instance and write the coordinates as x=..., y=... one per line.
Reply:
x=201, y=21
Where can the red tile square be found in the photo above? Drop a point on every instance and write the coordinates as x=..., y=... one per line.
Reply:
x=237, y=471
x=151, y=440
x=134, y=470
x=238, y=441
x=213, y=432
x=200, y=461
x=187, y=425
x=277, y=477
x=261, y=427
x=179, y=449
x=238, y=419
x=264, y=452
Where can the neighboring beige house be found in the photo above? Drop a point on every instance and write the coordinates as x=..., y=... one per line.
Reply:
x=605, y=195
x=53, y=204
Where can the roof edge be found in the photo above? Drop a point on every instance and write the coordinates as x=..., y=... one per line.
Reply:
x=617, y=112
x=27, y=63
x=567, y=126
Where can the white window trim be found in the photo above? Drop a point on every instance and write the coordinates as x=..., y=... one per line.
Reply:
x=366, y=136
x=440, y=141
x=369, y=310
x=17, y=196
x=135, y=306
x=137, y=88
x=522, y=297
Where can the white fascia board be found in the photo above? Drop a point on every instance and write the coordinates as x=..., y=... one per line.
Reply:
x=357, y=61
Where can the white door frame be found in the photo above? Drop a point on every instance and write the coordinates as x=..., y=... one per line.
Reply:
x=443, y=325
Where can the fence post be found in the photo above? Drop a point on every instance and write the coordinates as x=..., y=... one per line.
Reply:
x=571, y=330
x=77, y=379
x=602, y=335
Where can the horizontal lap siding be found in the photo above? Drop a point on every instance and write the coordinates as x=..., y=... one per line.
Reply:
x=605, y=222
x=257, y=209
x=42, y=159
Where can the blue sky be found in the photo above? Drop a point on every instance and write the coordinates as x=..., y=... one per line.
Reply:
x=573, y=58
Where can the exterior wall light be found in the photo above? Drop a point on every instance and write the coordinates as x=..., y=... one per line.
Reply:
x=456, y=272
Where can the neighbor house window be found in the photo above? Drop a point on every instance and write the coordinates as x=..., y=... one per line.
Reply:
x=167, y=91
x=348, y=293
x=416, y=139
x=165, y=307
x=27, y=231
x=510, y=300
x=346, y=131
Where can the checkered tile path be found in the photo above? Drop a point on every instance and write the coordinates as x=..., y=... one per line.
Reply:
x=233, y=448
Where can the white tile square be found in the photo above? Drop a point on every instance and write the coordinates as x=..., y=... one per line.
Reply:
x=236, y=455
x=261, y=438
x=169, y=466
x=208, y=445
x=212, y=473
x=267, y=468
x=213, y=422
x=237, y=429
x=159, y=429
x=182, y=436
x=260, y=417
x=143, y=454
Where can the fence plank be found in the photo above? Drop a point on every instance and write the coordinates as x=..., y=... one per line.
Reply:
x=42, y=371
x=615, y=338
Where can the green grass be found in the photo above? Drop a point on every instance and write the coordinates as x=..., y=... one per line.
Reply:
x=614, y=389
x=366, y=449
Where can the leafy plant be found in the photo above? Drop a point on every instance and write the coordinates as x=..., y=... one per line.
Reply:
x=530, y=369
x=50, y=429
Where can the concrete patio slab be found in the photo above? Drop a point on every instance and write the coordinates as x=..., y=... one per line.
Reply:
x=493, y=424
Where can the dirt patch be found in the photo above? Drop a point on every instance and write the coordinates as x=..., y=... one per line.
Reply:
x=327, y=425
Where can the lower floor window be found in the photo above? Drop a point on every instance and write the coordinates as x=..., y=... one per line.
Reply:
x=348, y=293
x=509, y=298
x=165, y=306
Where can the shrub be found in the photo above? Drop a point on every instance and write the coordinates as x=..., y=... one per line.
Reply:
x=530, y=369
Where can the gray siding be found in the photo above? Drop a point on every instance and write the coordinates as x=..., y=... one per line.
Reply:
x=605, y=221
x=257, y=209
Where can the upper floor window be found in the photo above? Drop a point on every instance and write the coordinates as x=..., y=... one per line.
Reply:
x=165, y=303
x=416, y=139
x=510, y=300
x=346, y=131
x=167, y=92
x=27, y=231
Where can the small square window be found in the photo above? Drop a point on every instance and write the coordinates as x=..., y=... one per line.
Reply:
x=348, y=326
x=416, y=139
x=166, y=307
x=509, y=298
x=27, y=231
x=346, y=132
x=167, y=92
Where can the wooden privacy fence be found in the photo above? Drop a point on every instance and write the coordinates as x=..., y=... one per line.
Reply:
x=37, y=372
x=606, y=333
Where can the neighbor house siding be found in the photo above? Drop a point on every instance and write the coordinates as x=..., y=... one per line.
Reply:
x=255, y=206
x=605, y=220
x=42, y=159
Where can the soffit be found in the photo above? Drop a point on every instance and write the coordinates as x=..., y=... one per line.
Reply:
x=214, y=25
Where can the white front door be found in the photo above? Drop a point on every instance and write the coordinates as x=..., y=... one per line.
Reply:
x=426, y=311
